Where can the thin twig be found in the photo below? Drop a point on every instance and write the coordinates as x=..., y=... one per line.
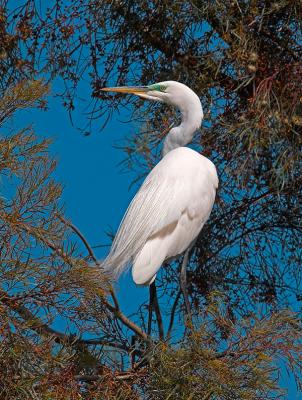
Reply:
x=93, y=378
x=173, y=310
x=81, y=236
x=126, y=321
x=116, y=308
x=207, y=396
x=37, y=325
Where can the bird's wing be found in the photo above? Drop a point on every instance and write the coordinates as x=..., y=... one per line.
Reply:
x=166, y=193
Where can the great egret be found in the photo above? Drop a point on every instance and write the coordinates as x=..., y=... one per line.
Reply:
x=176, y=198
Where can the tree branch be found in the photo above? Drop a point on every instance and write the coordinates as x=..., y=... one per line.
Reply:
x=173, y=310
x=126, y=321
x=94, y=378
x=36, y=324
x=158, y=43
x=114, y=309
x=80, y=235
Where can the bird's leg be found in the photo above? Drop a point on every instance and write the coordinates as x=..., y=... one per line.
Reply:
x=156, y=308
x=152, y=292
x=183, y=282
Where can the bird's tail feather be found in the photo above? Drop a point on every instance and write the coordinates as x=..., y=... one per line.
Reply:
x=138, y=225
x=114, y=265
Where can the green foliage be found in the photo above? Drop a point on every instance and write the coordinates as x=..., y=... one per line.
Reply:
x=44, y=273
x=23, y=95
x=33, y=369
x=244, y=364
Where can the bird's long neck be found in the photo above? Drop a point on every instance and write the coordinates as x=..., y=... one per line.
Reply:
x=191, y=117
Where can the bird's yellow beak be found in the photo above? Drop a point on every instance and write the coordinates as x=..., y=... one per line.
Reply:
x=127, y=89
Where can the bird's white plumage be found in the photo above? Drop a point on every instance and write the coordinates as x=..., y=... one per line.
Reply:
x=176, y=198
x=173, y=204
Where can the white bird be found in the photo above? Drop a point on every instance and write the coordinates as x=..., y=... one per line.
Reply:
x=175, y=200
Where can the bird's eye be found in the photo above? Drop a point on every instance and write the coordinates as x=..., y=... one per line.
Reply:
x=158, y=87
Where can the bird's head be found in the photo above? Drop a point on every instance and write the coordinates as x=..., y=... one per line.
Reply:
x=175, y=93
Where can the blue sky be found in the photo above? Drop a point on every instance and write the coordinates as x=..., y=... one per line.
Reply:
x=96, y=190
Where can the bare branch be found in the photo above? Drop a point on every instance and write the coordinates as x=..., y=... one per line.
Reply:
x=80, y=235
x=172, y=315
